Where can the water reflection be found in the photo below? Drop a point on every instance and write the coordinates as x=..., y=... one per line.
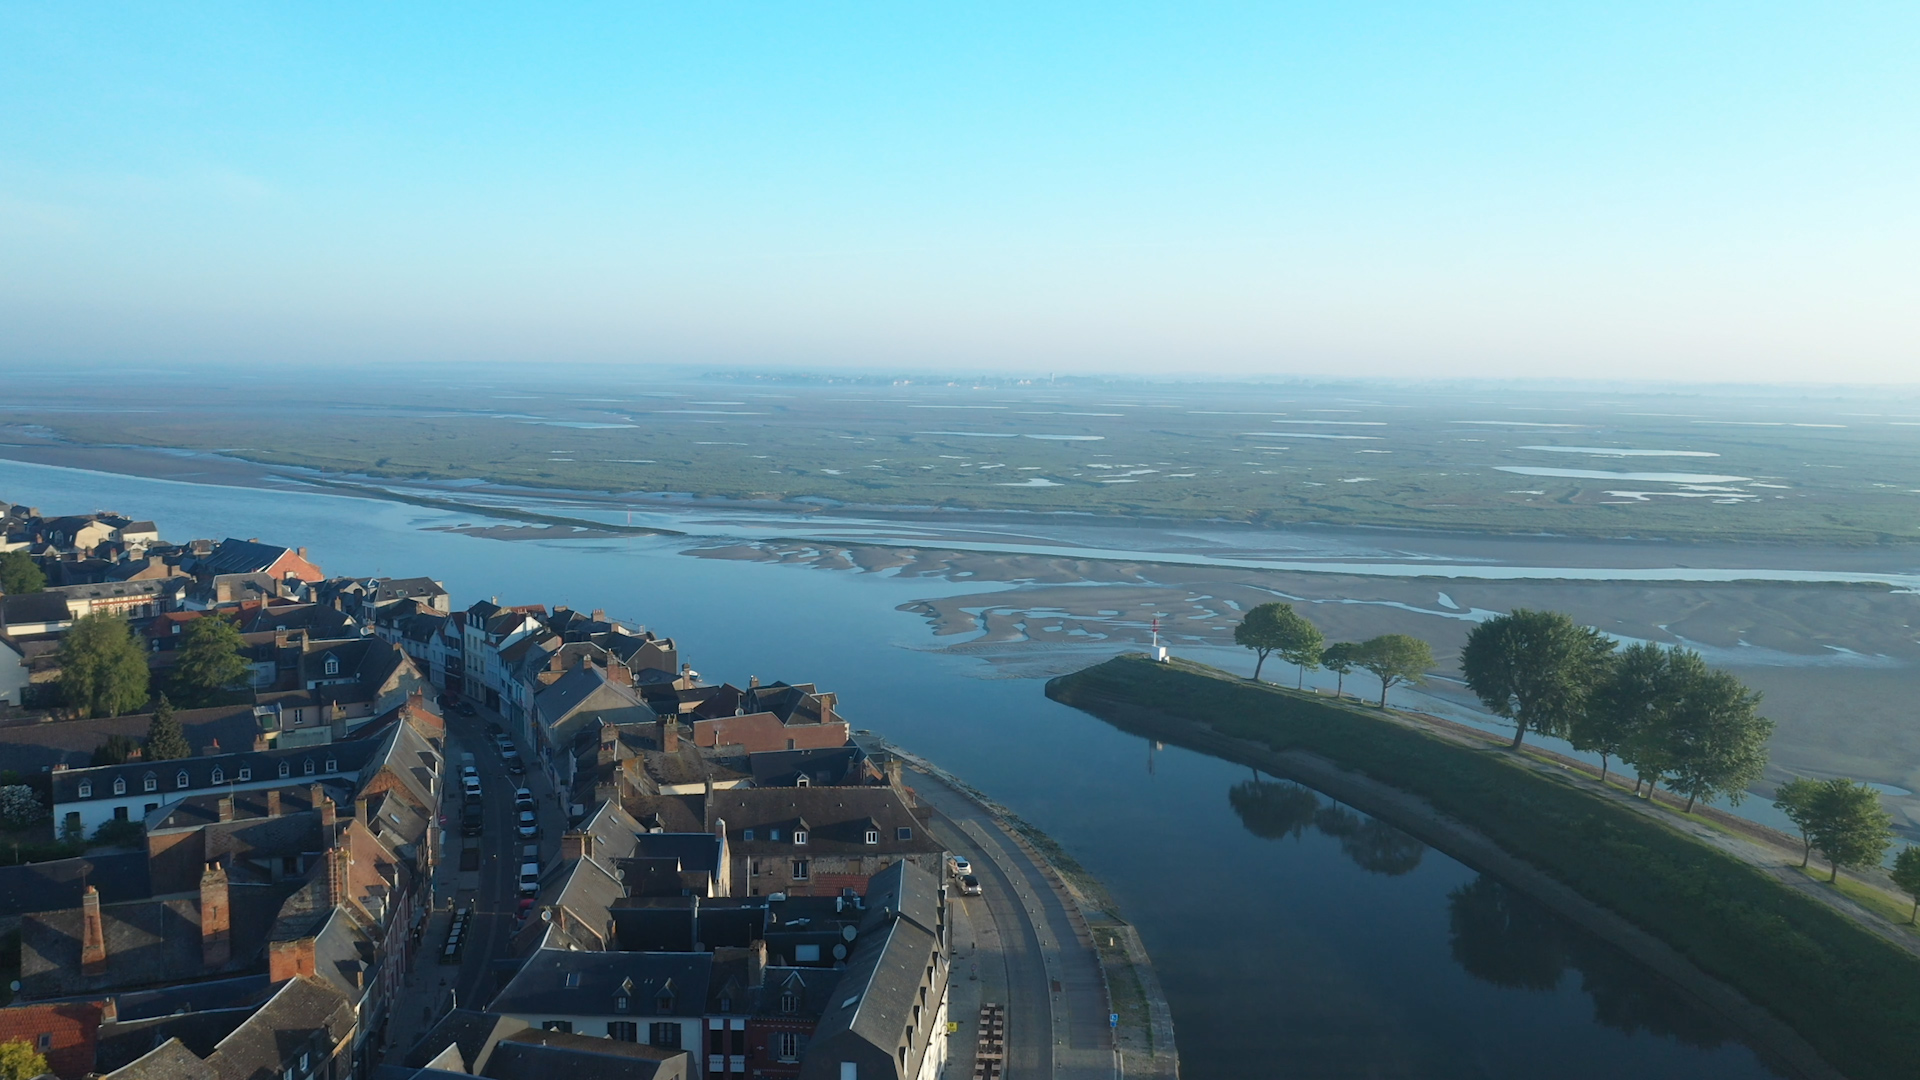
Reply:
x=1276, y=809
x=1507, y=938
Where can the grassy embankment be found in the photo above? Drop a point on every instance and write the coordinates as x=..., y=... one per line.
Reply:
x=1851, y=995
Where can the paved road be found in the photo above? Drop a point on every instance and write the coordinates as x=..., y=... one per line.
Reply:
x=1029, y=946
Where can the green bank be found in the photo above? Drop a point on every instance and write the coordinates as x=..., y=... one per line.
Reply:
x=1852, y=996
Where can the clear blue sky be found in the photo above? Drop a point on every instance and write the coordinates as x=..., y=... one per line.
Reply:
x=1654, y=190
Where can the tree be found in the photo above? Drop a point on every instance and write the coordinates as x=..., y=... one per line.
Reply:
x=1796, y=799
x=1394, y=658
x=1622, y=705
x=210, y=660
x=1535, y=668
x=1276, y=627
x=103, y=671
x=20, y=574
x=1906, y=874
x=115, y=751
x=19, y=806
x=1716, y=735
x=165, y=740
x=1849, y=827
x=1340, y=658
x=20, y=1061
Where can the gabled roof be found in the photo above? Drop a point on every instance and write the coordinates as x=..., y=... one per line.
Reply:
x=535, y=1054
x=837, y=820
x=243, y=557
x=472, y=1033
x=306, y=1013
x=52, y=886
x=556, y=982
x=171, y=1060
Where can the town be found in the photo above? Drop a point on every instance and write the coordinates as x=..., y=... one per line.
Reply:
x=271, y=823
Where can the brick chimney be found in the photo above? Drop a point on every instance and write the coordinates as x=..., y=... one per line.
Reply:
x=226, y=807
x=273, y=803
x=318, y=796
x=337, y=862
x=360, y=809
x=93, y=935
x=576, y=845
x=896, y=777
x=289, y=959
x=756, y=963
x=670, y=735
x=618, y=673
x=216, y=939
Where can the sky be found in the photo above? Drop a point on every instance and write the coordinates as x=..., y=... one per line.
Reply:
x=1696, y=191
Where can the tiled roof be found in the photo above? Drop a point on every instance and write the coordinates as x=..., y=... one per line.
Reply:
x=70, y=1027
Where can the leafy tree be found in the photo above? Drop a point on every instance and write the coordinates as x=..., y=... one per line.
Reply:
x=115, y=751
x=1848, y=826
x=1715, y=735
x=120, y=833
x=20, y=574
x=1622, y=705
x=1276, y=627
x=1796, y=798
x=20, y=1061
x=1340, y=658
x=1906, y=874
x=19, y=806
x=1394, y=658
x=210, y=660
x=165, y=740
x=1535, y=668
x=103, y=671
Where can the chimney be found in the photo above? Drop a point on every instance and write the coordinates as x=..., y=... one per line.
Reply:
x=216, y=944
x=360, y=810
x=756, y=963
x=273, y=803
x=301, y=551
x=574, y=845
x=337, y=862
x=289, y=959
x=226, y=807
x=599, y=615
x=618, y=673
x=326, y=808
x=895, y=776
x=670, y=735
x=753, y=682
x=93, y=939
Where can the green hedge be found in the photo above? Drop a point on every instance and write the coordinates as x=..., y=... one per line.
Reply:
x=1854, y=996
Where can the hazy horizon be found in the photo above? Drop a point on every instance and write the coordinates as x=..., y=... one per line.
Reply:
x=1716, y=195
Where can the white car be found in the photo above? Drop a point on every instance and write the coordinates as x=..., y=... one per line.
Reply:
x=529, y=824
x=961, y=867
x=469, y=772
x=529, y=878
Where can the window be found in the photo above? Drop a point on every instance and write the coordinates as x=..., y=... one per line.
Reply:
x=773, y=834
x=849, y=1071
x=219, y=775
x=333, y=765
x=305, y=1059
x=746, y=834
x=663, y=1003
x=873, y=836
x=246, y=774
x=150, y=782
x=806, y=954
x=800, y=837
x=120, y=785
x=664, y=1034
x=620, y=1003
x=333, y=665
x=119, y=813
x=904, y=832
x=789, y=1048
x=565, y=1026
x=799, y=869
x=800, y=781
x=286, y=770
x=573, y=980
x=307, y=767
x=46, y=1041
x=623, y=1031
x=86, y=789
x=788, y=1002
x=180, y=779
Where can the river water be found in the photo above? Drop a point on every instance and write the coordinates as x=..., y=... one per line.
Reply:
x=1294, y=937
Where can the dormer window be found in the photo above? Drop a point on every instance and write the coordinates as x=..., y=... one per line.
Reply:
x=120, y=785
x=873, y=836
x=246, y=774
x=663, y=1001
x=799, y=836
x=573, y=980
x=180, y=779
x=150, y=782
x=333, y=765
x=219, y=776
x=286, y=770
x=176, y=628
x=746, y=834
x=788, y=1002
x=620, y=1004
x=774, y=835
x=86, y=789
x=307, y=767
x=333, y=665
x=800, y=781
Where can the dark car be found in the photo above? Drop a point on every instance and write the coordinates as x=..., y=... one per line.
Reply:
x=969, y=886
x=472, y=820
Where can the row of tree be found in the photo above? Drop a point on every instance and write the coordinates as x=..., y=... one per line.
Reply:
x=1277, y=629
x=104, y=672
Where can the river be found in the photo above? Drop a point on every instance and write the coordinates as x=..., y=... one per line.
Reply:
x=1294, y=937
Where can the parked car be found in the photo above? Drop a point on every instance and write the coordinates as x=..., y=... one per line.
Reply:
x=960, y=864
x=494, y=728
x=469, y=772
x=523, y=799
x=969, y=886
x=472, y=820
x=514, y=765
x=529, y=878
x=524, y=909
x=529, y=824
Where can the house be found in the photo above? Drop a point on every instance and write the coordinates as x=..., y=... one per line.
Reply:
x=15, y=677
x=304, y=1031
x=69, y=744
x=658, y=999
x=488, y=628
x=26, y=614
x=91, y=797
x=250, y=556
x=891, y=1017
x=819, y=841
x=127, y=599
x=544, y=1055
x=61, y=1032
x=342, y=685
x=585, y=695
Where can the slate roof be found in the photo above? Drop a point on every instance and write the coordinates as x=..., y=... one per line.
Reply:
x=473, y=1033
x=543, y=1055
x=31, y=748
x=39, y=607
x=149, y=942
x=122, y=1043
x=51, y=886
x=305, y=1014
x=242, y=557
x=170, y=1061
x=828, y=766
x=347, y=757
x=878, y=988
x=836, y=819
x=585, y=692
x=542, y=986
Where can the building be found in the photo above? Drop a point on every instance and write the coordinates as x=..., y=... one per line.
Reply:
x=91, y=797
x=819, y=841
x=62, y=1032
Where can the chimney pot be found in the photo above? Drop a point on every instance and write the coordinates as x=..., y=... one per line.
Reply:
x=273, y=803
x=93, y=937
x=226, y=807
x=216, y=942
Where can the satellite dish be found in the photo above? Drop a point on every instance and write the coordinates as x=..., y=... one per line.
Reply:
x=848, y=932
x=15, y=985
x=839, y=952
x=546, y=914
